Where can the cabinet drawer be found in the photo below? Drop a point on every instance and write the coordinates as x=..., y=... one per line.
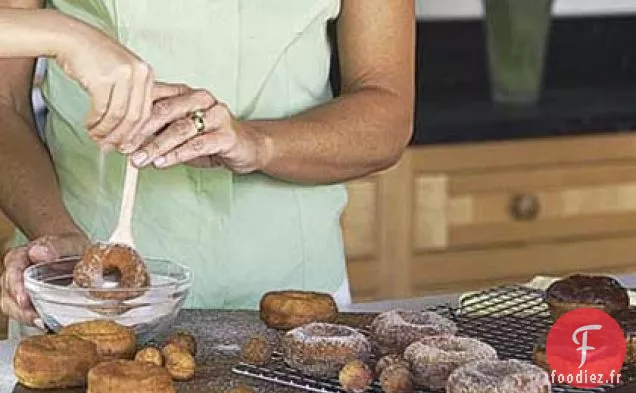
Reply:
x=481, y=209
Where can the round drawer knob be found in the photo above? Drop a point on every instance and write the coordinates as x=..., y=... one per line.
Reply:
x=525, y=207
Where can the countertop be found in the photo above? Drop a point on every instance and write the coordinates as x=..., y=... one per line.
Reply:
x=220, y=335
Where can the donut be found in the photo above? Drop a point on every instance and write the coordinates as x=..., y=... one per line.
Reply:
x=433, y=359
x=53, y=362
x=184, y=340
x=586, y=291
x=113, y=341
x=285, y=310
x=320, y=349
x=395, y=330
x=103, y=259
x=119, y=376
x=502, y=376
x=151, y=355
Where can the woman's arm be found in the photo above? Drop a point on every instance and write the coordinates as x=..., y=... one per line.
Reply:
x=29, y=193
x=363, y=131
x=119, y=83
x=368, y=127
x=28, y=31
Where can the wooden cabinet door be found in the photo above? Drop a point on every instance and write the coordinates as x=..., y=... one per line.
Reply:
x=376, y=234
x=456, y=218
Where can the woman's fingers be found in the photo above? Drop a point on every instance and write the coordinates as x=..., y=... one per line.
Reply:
x=195, y=148
x=14, y=311
x=161, y=90
x=15, y=262
x=137, y=108
x=99, y=107
x=212, y=141
x=176, y=134
x=169, y=110
x=14, y=300
x=117, y=109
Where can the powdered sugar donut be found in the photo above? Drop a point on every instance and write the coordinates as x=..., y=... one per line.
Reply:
x=501, y=376
x=433, y=359
x=100, y=259
x=321, y=349
x=395, y=330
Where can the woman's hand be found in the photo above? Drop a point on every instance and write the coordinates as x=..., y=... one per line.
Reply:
x=14, y=300
x=119, y=83
x=170, y=136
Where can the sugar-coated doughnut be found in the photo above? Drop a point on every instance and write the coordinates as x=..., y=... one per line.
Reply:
x=433, y=359
x=101, y=259
x=321, y=349
x=501, y=376
x=395, y=330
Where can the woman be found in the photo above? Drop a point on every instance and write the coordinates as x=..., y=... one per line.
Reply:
x=231, y=116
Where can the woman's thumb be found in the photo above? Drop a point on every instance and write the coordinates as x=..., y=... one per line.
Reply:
x=39, y=252
x=50, y=248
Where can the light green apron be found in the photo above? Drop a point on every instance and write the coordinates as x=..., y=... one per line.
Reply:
x=242, y=235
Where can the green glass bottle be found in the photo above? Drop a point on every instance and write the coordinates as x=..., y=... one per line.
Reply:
x=516, y=35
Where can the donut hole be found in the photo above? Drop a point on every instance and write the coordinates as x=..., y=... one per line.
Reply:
x=111, y=278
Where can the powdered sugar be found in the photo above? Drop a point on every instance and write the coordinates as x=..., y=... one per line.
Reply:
x=433, y=359
x=395, y=330
x=499, y=376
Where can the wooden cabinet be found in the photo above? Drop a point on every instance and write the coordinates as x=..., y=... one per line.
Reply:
x=454, y=218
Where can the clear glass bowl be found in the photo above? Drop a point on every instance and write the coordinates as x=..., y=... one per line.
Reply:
x=60, y=302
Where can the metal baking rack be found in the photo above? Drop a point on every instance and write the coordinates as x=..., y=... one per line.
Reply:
x=510, y=318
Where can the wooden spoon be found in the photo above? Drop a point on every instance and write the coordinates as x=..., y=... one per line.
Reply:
x=123, y=232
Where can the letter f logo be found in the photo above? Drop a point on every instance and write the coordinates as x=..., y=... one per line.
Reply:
x=584, y=347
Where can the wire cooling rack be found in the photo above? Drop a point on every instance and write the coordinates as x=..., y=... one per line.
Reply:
x=510, y=318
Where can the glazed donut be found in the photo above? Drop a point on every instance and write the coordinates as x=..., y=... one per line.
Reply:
x=129, y=376
x=433, y=359
x=505, y=376
x=101, y=259
x=586, y=291
x=395, y=330
x=320, y=350
x=53, y=362
x=113, y=341
x=286, y=310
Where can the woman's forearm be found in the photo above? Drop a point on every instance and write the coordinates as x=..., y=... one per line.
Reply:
x=29, y=193
x=354, y=135
x=35, y=33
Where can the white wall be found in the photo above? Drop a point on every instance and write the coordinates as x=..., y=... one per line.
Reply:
x=435, y=9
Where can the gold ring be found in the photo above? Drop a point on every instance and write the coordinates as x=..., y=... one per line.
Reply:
x=199, y=121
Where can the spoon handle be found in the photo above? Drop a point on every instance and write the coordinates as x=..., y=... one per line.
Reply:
x=123, y=231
